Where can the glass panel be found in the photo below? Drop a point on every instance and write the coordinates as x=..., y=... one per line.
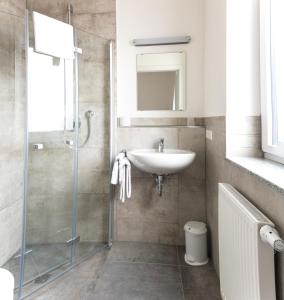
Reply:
x=277, y=64
x=12, y=116
x=50, y=109
x=50, y=167
x=94, y=168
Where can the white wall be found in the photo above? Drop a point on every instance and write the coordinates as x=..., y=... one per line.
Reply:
x=215, y=58
x=159, y=18
x=243, y=87
x=231, y=58
x=222, y=60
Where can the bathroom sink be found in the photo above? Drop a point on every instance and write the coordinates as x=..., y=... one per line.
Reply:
x=152, y=161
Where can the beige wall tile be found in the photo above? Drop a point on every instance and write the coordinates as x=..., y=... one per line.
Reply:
x=129, y=229
x=137, y=138
x=14, y=7
x=102, y=24
x=93, y=6
x=145, y=201
x=10, y=233
x=92, y=217
x=47, y=181
x=52, y=9
x=94, y=158
x=93, y=181
x=11, y=126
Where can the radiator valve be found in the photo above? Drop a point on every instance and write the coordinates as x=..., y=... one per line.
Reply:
x=271, y=236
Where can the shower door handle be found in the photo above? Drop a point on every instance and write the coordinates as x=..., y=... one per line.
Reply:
x=69, y=143
x=38, y=146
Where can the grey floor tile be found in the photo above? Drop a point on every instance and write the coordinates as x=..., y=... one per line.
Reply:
x=70, y=287
x=181, y=252
x=134, y=271
x=138, y=281
x=45, y=257
x=91, y=267
x=77, y=284
x=200, y=295
x=200, y=283
x=85, y=248
x=143, y=252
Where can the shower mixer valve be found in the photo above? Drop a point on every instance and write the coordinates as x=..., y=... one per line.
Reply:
x=271, y=236
x=89, y=113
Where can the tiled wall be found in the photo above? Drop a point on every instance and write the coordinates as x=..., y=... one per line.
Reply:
x=147, y=217
x=50, y=202
x=12, y=97
x=268, y=199
x=244, y=136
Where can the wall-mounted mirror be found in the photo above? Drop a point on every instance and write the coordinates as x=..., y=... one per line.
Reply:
x=161, y=81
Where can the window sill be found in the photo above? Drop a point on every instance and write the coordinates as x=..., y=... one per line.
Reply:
x=266, y=170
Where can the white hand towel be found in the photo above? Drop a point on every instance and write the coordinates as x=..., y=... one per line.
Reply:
x=125, y=178
x=115, y=169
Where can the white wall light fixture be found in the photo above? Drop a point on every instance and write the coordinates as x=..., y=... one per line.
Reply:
x=162, y=41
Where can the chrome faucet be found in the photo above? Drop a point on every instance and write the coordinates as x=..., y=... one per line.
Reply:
x=161, y=145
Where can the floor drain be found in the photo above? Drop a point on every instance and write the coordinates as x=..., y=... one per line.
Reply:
x=42, y=279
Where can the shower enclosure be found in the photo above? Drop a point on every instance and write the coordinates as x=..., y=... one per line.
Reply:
x=68, y=148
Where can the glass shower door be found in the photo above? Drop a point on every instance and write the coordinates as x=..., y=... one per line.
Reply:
x=68, y=163
x=52, y=168
x=94, y=144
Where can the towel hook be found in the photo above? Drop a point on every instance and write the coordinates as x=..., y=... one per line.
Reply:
x=124, y=152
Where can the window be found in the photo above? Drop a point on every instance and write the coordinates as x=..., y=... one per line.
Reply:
x=272, y=78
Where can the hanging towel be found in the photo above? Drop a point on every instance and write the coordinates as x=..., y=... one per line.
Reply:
x=53, y=37
x=121, y=174
x=115, y=169
x=125, y=178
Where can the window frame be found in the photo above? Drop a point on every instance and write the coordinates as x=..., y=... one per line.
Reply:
x=271, y=147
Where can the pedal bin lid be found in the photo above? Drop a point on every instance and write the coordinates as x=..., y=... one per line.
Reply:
x=195, y=227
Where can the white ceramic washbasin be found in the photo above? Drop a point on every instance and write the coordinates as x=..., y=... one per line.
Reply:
x=170, y=161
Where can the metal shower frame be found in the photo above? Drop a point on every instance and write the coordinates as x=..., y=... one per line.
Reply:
x=112, y=129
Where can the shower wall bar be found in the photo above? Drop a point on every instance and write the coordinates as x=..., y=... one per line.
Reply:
x=112, y=140
x=26, y=164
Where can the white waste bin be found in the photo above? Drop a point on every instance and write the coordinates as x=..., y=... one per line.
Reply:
x=6, y=285
x=196, y=243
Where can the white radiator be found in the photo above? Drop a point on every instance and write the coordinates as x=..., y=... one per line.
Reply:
x=246, y=263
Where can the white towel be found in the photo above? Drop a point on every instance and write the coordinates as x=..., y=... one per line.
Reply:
x=121, y=174
x=53, y=37
x=115, y=169
x=125, y=178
